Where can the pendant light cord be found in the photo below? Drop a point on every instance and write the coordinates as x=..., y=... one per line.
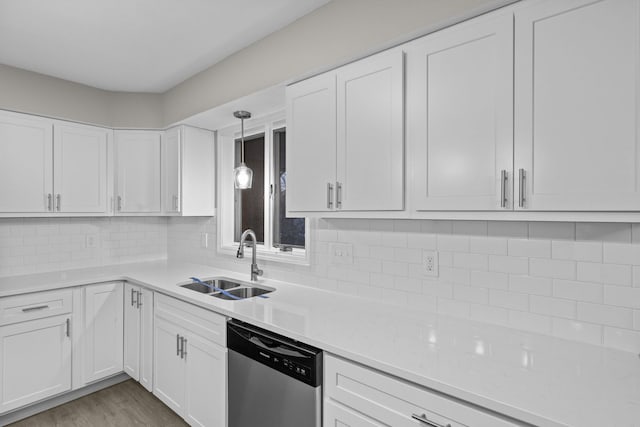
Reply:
x=242, y=145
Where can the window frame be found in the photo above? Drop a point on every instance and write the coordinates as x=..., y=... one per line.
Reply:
x=226, y=243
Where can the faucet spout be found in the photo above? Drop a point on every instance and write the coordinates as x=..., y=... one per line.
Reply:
x=255, y=271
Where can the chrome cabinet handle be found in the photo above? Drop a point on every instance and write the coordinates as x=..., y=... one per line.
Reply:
x=58, y=202
x=503, y=188
x=175, y=203
x=521, y=177
x=423, y=419
x=138, y=299
x=177, y=344
x=37, y=307
x=329, y=195
x=49, y=202
x=132, y=292
x=184, y=348
x=338, y=195
x=68, y=325
x=119, y=203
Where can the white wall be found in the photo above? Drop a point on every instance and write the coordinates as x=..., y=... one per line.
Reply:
x=579, y=281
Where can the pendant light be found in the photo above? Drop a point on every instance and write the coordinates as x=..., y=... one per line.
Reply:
x=242, y=175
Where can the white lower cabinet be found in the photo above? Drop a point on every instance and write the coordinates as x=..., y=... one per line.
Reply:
x=36, y=361
x=138, y=334
x=102, y=331
x=376, y=399
x=190, y=361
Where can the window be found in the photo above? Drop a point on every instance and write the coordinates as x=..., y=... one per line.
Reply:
x=263, y=207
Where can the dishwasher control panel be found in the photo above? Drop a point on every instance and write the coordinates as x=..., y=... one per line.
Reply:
x=292, y=358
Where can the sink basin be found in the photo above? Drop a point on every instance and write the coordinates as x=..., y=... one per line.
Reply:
x=242, y=293
x=239, y=289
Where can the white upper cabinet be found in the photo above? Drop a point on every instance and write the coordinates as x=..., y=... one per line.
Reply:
x=80, y=181
x=26, y=164
x=460, y=116
x=345, y=128
x=370, y=137
x=138, y=188
x=188, y=176
x=576, y=105
x=311, y=150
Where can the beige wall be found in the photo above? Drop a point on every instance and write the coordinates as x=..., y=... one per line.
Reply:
x=340, y=31
x=34, y=93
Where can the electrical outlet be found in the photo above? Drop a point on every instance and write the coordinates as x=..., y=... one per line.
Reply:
x=91, y=241
x=430, y=263
x=341, y=253
x=204, y=240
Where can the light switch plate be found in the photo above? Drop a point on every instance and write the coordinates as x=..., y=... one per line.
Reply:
x=91, y=241
x=341, y=253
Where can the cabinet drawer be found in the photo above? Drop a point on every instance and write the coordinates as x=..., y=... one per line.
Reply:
x=36, y=305
x=200, y=321
x=392, y=401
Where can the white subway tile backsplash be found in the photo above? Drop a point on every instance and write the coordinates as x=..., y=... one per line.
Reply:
x=577, y=331
x=455, y=275
x=510, y=300
x=530, y=285
x=453, y=243
x=530, y=248
x=470, y=228
x=407, y=255
x=436, y=227
x=605, y=315
x=382, y=252
x=393, y=239
x=619, y=253
x=485, y=313
x=622, y=339
x=612, y=274
x=555, y=269
x=555, y=307
x=512, y=229
x=552, y=230
x=508, y=264
x=636, y=320
x=489, y=279
x=453, y=307
x=635, y=234
x=636, y=277
x=604, y=232
x=622, y=296
x=407, y=284
x=421, y=241
x=470, y=261
x=471, y=294
x=488, y=245
x=577, y=251
x=530, y=322
x=578, y=291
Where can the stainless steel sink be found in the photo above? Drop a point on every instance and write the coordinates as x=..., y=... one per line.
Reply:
x=233, y=289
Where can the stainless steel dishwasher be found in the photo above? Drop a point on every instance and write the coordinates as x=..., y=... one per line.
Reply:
x=273, y=381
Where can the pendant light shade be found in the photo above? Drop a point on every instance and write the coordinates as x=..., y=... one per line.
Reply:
x=242, y=175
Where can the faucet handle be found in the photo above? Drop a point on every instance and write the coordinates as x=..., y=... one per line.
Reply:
x=259, y=272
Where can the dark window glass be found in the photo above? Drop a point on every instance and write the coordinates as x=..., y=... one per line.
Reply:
x=286, y=231
x=249, y=204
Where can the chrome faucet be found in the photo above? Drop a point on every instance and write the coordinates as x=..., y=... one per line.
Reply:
x=255, y=271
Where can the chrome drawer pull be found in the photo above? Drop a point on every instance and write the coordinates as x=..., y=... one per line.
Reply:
x=49, y=205
x=521, y=187
x=177, y=344
x=339, y=195
x=423, y=419
x=503, y=189
x=68, y=325
x=329, y=195
x=58, y=202
x=37, y=307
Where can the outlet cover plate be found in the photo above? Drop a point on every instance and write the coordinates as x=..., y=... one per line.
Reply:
x=341, y=253
x=430, y=263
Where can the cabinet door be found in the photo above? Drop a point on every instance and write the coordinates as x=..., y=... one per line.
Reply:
x=169, y=380
x=146, y=339
x=132, y=329
x=460, y=116
x=311, y=144
x=80, y=168
x=36, y=361
x=206, y=383
x=137, y=172
x=171, y=170
x=336, y=415
x=26, y=159
x=103, y=331
x=198, y=173
x=576, y=112
x=370, y=136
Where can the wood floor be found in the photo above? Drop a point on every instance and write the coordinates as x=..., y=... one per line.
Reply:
x=122, y=405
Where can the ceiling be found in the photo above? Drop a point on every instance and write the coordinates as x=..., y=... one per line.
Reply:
x=135, y=45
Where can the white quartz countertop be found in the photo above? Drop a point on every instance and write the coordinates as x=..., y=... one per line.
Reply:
x=537, y=379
